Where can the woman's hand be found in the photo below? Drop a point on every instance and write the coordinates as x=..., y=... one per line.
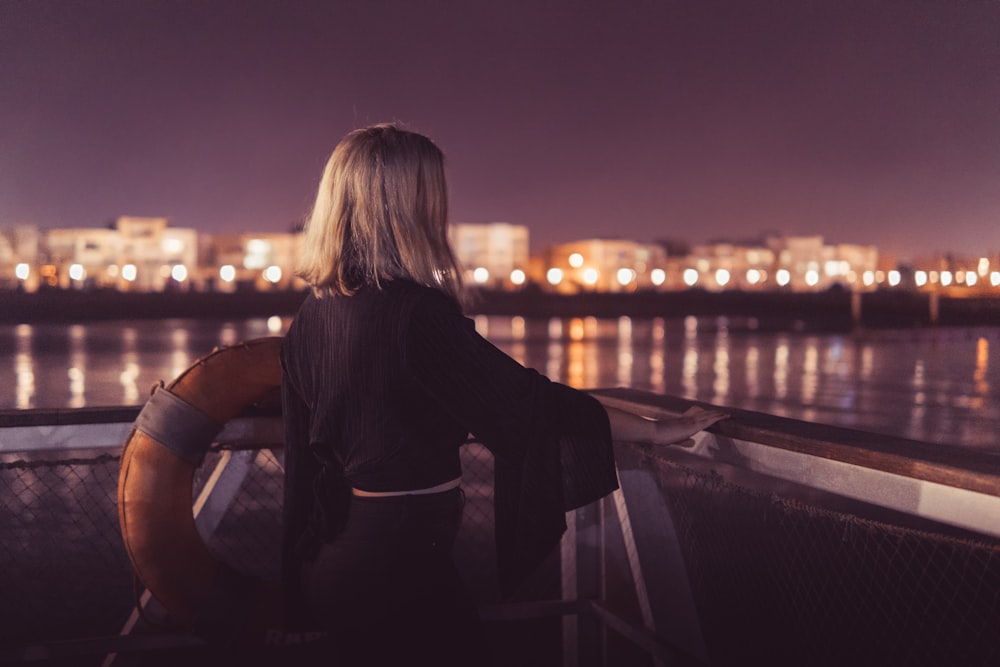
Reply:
x=628, y=424
x=673, y=430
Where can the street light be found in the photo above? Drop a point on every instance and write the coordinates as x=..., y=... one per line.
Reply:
x=272, y=274
x=625, y=276
x=179, y=273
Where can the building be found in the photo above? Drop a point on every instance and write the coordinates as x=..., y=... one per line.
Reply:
x=491, y=254
x=722, y=266
x=81, y=257
x=269, y=260
x=957, y=275
x=137, y=254
x=806, y=264
x=154, y=256
x=603, y=265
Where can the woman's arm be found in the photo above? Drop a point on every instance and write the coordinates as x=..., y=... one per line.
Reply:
x=632, y=427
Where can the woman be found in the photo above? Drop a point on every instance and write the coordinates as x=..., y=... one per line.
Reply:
x=384, y=378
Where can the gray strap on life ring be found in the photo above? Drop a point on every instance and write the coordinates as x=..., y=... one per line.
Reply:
x=177, y=425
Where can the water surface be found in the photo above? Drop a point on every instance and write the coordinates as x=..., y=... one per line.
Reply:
x=936, y=385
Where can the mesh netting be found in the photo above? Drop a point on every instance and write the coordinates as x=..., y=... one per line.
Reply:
x=65, y=573
x=773, y=577
x=787, y=582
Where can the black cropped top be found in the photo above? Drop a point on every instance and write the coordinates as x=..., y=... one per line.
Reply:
x=381, y=388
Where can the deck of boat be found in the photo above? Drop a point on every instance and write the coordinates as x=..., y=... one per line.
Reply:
x=767, y=538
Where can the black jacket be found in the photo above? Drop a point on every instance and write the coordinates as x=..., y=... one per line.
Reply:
x=380, y=390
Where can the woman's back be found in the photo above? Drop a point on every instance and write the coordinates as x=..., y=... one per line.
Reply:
x=354, y=357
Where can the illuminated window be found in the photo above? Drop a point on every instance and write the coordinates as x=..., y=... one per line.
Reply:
x=258, y=254
x=258, y=246
x=172, y=246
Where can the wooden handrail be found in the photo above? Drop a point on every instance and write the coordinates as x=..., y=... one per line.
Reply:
x=956, y=466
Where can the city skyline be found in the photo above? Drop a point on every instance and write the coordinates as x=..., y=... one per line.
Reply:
x=871, y=123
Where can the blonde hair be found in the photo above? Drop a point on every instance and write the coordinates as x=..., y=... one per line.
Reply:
x=381, y=213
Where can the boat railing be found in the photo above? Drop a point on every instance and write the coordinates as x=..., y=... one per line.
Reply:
x=762, y=537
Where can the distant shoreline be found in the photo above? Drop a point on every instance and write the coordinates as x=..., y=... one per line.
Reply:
x=831, y=310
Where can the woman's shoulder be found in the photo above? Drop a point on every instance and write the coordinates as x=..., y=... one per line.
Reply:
x=400, y=297
x=424, y=296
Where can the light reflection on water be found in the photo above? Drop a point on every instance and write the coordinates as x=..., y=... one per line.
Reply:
x=934, y=385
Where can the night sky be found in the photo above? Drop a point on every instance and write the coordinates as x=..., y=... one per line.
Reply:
x=870, y=122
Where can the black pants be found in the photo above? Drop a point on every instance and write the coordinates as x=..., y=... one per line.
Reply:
x=387, y=589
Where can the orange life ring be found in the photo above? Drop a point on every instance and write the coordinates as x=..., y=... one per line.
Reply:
x=170, y=436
